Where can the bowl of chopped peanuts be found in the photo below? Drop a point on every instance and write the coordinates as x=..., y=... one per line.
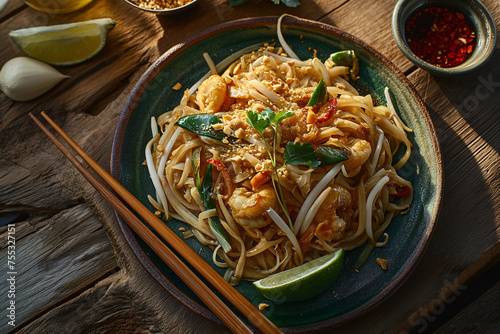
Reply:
x=162, y=6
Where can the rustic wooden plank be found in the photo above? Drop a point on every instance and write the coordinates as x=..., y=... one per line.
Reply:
x=87, y=106
x=474, y=319
x=60, y=260
x=23, y=185
x=11, y=8
x=34, y=176
x=115, y=305
x=23, y=229
x=463, y=284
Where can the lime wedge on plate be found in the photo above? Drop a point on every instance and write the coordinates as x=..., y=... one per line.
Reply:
x=304, y=281
x=65, y=44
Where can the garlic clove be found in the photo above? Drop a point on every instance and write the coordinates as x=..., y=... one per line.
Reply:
x=24, y=78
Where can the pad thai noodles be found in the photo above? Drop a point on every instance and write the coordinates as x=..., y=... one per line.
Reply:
x=278, y=160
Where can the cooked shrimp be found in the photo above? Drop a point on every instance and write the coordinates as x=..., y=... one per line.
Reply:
x=249, y=208
x=212, y=94
x=332, y=214
x=360, y=153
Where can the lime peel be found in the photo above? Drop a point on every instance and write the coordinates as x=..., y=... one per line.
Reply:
x=65, y=44
x=304, y=281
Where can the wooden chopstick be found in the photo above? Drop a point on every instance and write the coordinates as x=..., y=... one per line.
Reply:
x=203, y=268
x=220, y=309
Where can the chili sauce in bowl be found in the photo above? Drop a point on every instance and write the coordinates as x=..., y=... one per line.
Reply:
x=444, y=37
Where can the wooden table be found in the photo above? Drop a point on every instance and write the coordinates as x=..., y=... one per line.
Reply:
x=76, y=273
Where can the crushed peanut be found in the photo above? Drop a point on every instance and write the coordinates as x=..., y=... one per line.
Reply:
x=160, y=4
x=382, y=263
x=263, y=306
x=177, y=86
x=217, y=126
x=182, y=229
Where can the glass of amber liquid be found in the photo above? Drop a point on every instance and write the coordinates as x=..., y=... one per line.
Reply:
x=57, y=6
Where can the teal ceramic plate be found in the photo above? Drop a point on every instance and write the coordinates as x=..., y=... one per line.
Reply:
x=354, y=293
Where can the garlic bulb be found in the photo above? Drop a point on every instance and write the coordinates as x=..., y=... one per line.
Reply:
x=24, y=78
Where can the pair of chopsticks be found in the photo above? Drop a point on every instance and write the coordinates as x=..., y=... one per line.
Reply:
x=218, y=307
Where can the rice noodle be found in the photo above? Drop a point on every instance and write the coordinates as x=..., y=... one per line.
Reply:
x=284, y=227
x=313, y=195
x=369, y=204
x=378, y=149
x=284, y=44
x=223, y=64
x=266, y=92
x=252, y=193
x=314, y=209
x=154, y=176
x=390, y=106
x=318, y=65
x=210, y=63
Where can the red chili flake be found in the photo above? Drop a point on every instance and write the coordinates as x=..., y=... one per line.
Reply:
x=329, y=113
x=405, y=192
x=440, y=36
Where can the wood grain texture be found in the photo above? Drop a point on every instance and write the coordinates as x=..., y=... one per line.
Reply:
x=470, y=318
x=56, y=262
x=12, y=7
x=37, y=181
x=114, y=305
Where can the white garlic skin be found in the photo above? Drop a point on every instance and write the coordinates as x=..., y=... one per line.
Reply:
x=24, y=78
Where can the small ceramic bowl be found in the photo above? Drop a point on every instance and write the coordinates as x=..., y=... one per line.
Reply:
x=164, y=11
x=473, y=10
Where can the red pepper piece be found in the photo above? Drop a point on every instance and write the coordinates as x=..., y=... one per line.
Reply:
x=329, y=113
x=404, y=193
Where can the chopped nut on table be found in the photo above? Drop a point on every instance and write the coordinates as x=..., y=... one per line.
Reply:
x=382, y=263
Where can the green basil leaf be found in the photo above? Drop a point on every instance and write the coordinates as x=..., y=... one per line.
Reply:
x=259, y=121
x=280, y=116
x=301, y=154
x=201, y=124
x=331, y=155
x=320, y=94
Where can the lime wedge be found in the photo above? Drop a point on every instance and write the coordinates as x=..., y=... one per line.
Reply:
x=65, y=44
x=304, y=281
